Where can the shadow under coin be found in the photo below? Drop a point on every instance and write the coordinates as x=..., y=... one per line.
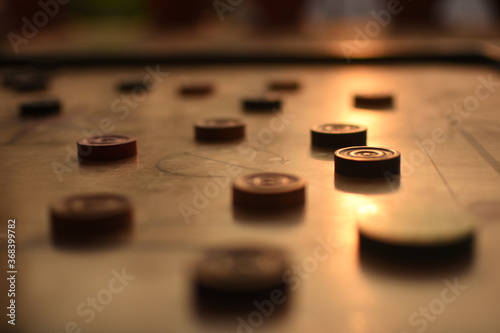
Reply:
x=104, y=166
x=263, y=306
x=221, y=143
x=269, y=217
x=91, y=242
x=408, y=261
x=323, y=154
x=365, y=185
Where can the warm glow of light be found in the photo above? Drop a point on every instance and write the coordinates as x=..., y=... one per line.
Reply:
x=357, y=203
x=373, y=49
x=369, y=209
x=364, y=80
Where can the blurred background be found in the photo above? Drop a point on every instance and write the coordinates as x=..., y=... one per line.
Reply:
x=40, y=26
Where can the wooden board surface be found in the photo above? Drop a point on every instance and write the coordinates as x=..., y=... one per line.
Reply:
x=447, y=183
